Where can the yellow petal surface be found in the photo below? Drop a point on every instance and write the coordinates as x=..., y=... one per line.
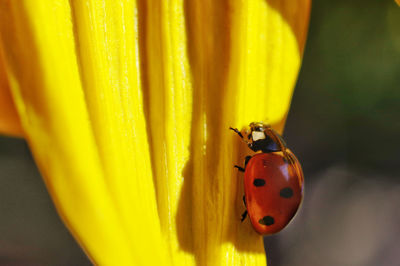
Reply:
x=126, y=106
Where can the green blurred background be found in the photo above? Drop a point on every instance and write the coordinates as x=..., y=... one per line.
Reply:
x=343, y=126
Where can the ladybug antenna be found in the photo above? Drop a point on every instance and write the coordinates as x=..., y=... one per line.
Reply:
x=240, y=135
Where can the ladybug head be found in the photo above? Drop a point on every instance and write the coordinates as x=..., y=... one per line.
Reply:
x=264, y=138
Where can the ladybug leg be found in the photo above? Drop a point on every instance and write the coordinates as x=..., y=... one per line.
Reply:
x=246, y=160
x=244, y=214
x=241, y=169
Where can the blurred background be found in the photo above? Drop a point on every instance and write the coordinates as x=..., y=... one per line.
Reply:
x=343, y=125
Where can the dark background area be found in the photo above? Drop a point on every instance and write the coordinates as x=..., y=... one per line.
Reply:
x=31, y=234
x=343, y=126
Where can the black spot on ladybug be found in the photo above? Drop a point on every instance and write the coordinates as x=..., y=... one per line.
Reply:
x=259, y=182
x=286, y=192
x=267, y=220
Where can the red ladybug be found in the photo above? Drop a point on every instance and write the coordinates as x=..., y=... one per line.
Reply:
x=273, y=180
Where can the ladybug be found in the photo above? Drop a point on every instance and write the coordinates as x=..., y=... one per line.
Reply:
x=273, y=180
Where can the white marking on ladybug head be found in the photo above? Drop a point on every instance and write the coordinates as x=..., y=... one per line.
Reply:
x=256, y=135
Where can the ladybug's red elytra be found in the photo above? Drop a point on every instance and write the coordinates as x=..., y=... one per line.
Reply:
x=273, y=180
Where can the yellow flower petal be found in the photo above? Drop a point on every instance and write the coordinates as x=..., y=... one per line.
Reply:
x=127, y=104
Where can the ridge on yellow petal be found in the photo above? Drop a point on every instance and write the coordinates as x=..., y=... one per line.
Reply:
x=169, y=94
x=9, y=120
x=398, y=2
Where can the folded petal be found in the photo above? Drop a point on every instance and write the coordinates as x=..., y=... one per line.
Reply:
x=109, y=205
